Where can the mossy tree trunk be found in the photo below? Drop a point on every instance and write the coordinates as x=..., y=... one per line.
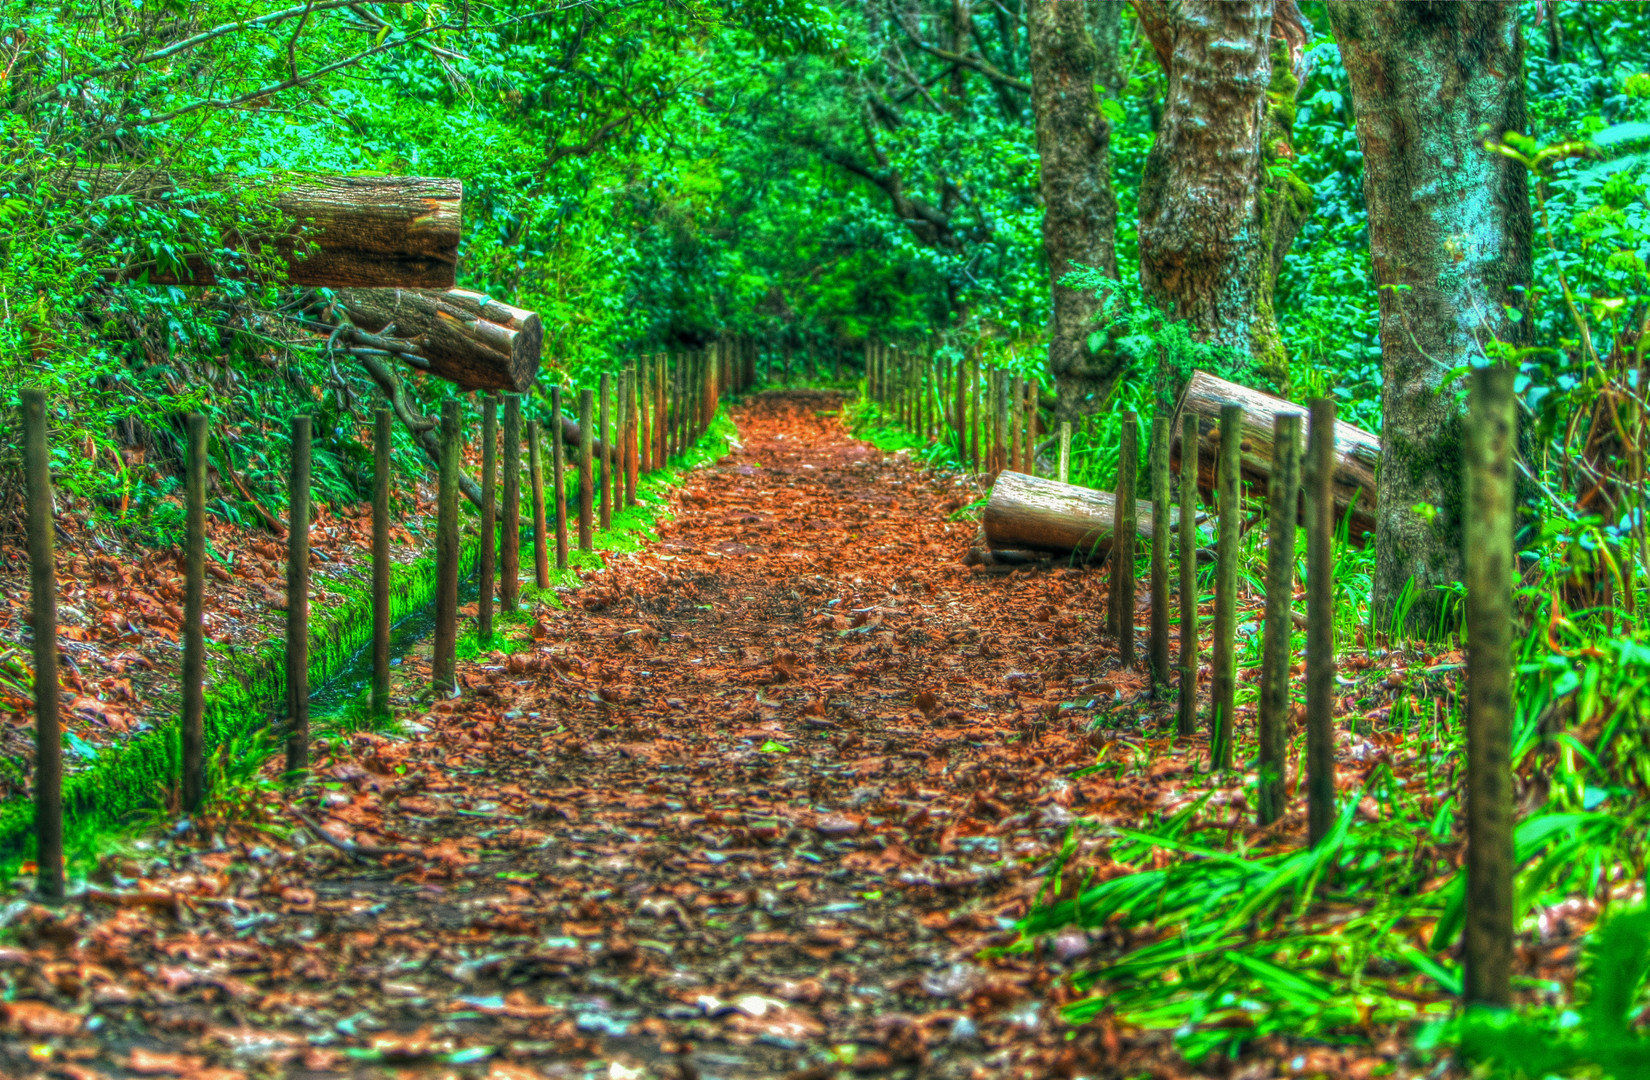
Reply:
x=1079, y=206
x=1449, y=230
x=1219, y=205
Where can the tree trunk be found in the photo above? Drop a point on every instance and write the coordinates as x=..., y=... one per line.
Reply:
x=1029, y=513
x=1449, y=230
x=1214, y=222
x=461, y=336
x=335, y=231
x=1356, y=451
x=1079, y=207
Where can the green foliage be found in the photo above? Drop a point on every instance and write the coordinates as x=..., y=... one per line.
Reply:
x=1600, y=1038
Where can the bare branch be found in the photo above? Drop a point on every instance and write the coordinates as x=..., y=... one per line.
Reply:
x=972, y=63
x=286, y=84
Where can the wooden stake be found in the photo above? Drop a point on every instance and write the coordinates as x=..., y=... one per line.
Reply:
x=607, y=455
x=1125, y=540
x=1031, y=427
x=1186, y=725
x=297, y=602
x=558, y=482
x=1065, y=451
x=1223, y=686
x=976, y=394
x=627, y=432
x=1283, y=493
x=1157, y=650
x=48, y=731
x=586, y=478
x=489, y=518
x=1488, y=953
x=194, y=601
x=509, y=563
x=1320, y=620
x=644, y=429
x=1017, y=422
x=381, y=561
x=535, y=477
x=444, y=656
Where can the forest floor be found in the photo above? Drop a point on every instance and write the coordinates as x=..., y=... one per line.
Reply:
x=760, y=801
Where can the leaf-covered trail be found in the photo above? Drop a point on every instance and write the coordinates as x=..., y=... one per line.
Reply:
x=750, y=807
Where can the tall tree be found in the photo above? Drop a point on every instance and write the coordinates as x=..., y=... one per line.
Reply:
x=1449, y=232
x=1219, y=205
x=1079, y=207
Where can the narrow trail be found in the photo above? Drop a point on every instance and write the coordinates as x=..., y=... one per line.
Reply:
x=750, y=807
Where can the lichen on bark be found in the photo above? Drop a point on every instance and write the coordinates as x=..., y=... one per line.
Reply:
x=1449, y=228
x=1219, y=200
x=1079, y=206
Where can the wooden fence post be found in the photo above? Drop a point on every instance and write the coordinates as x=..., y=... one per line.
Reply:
x=535, y=477
x=976, y=398
x=444, y=654
x=382, y=419
x=1031, y=426
x=1320, y=619
x=297, y=601
x=1283, y=490
x=1187, y=719
x=509, y=563
x=1123, y=538
x=1223, y=686
x=48, y=731
x=193, y=742
x=606, y=434
x=627, y=432
x=558, y=480
x=644, y=400
x=1157, y=649
x=1488, y=953
x=586, y=479
x=489, y=518
x=1017, y=394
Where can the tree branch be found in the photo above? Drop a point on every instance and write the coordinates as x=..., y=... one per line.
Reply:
x=972, y=63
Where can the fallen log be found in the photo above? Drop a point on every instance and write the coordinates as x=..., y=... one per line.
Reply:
x=338, y=231
x=1029, y=513
x=465, y=337
x=1356, y=451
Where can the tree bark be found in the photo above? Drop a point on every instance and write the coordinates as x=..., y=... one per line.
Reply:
x=1356, y=451
x=1030, y=513
x=1218, y=204
x=334, y=231
x=464, y=337
x=1449, y=230
x=1079, y=206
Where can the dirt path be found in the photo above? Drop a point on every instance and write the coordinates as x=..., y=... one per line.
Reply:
x=751, y=807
